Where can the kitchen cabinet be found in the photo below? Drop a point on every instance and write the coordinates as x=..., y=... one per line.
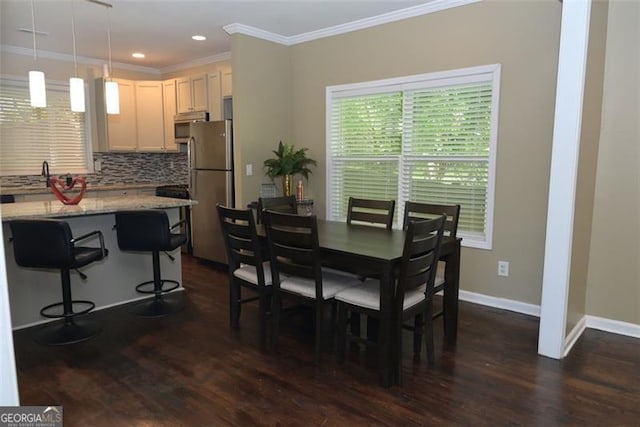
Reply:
x=149, y=116
x=214, y=96
x=227, y=85
x=191, y=93
x=120, y=133
x=169, y=110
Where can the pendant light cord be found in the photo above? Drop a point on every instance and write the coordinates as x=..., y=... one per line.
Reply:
x=73, y=33
x=108, y=38
x=33, y=31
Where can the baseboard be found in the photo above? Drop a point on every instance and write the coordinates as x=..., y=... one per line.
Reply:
x=573, y=336
x=613, y=326
x=102, y=307
x=503, y=303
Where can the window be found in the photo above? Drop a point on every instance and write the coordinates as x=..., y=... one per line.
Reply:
x=425, y=138
x=28, y=135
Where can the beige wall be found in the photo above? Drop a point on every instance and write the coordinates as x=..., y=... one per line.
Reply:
x=587, y=161
x=261, y=108
x=613, y=282
x=523, y=36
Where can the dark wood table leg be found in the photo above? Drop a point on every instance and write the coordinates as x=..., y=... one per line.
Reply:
x=386, y=339
x=451, y=291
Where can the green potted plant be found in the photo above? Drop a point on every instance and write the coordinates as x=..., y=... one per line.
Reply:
x=288, y=162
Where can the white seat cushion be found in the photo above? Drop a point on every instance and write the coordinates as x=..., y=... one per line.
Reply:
x=249, y=274
x=367, y=295
x=332, y=283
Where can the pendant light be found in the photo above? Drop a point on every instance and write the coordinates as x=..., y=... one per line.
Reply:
x=76, y=84
x=112, y=97
x=37, y=89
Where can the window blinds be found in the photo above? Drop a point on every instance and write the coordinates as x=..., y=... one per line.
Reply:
x=28, y=136
x=422, y=138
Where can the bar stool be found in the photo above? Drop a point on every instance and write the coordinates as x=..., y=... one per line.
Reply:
x=48, y=243
x=149, y=231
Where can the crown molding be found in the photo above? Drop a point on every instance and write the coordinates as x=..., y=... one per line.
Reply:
x=197, y=62
x=81, y=59
x=409, y=12
x=257, y=33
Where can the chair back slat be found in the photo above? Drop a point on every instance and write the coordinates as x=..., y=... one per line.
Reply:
x=420, y=211
x=420, y=257
x=371, y=211
x=293, y=246
x=284, y=204
x=240, y=238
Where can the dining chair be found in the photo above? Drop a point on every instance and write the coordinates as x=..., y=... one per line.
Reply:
x=371, y=211
x=419, y=211
x=248, y=267
x=297, y=272
x=285, y=204
x=413, y=298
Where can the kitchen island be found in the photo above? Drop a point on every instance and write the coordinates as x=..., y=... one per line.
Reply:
x=111, y=281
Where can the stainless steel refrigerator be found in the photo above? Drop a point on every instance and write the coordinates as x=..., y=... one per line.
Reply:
x=210, y=152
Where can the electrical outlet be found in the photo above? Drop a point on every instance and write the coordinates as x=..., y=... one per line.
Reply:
x=503, y=268
x=249, y=169
x=97, y=165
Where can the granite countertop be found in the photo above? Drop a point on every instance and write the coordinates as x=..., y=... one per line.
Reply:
x=19, y=190
x=88, y=206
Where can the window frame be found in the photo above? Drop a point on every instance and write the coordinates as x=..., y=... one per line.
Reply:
x=62, y=87
x=484, y=73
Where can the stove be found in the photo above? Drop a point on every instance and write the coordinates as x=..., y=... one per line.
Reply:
x=175, y=191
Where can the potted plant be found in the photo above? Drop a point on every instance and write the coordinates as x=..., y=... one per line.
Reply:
x=288, y=162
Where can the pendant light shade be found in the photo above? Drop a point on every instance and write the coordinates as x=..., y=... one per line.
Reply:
x=76, y=93
x=37, y=89
x=112, y=97
x=76, y=84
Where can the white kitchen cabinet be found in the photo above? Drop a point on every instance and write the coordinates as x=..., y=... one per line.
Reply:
x=191, y=93
x=169, y=110
x=227, y=83
x=215, y=96
x=149, y=116
x=121, y=132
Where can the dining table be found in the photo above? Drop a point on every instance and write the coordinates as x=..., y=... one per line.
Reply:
x=366, y=250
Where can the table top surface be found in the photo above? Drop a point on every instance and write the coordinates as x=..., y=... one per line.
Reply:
x=88, y=206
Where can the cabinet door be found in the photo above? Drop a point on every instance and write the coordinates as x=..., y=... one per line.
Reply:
x=150, y=116
x=226, y=83
x=169, y=107
x=183, y=95
x=199, y=92
x=122, y=127
x=215, y=96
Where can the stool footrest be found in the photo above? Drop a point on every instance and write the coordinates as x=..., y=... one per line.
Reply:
x=43, y=311
x=174, y=285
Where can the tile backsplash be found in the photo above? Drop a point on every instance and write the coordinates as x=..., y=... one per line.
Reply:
x=122, y=168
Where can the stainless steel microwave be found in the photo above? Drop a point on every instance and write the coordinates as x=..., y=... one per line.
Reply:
x=182, y=121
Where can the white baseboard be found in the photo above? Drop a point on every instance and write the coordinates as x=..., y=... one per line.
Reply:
x=573, y=336
x=592, y=322
x=503, y=303
x=614, y=326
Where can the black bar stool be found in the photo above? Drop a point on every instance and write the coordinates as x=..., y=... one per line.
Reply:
x=48, y=243
x=149, y=231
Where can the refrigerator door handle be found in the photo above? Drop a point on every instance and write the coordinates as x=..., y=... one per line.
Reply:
x=191, y=152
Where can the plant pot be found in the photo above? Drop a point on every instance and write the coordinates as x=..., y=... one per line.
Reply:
x=287, y=185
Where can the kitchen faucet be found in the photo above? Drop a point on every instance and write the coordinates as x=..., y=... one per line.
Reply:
x=45, y=171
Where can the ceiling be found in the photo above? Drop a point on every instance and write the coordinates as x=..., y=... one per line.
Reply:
x=162, y=29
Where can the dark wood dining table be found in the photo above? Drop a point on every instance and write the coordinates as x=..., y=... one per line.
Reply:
x=366, y=249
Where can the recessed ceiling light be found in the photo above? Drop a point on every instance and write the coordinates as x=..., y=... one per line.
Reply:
x=138, y=55
x=198, y=38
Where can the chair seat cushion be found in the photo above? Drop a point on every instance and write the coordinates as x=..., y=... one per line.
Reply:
x=332, y=283
x=84, y=256
x=439, y=280
x=367, y=295
x=249, y=274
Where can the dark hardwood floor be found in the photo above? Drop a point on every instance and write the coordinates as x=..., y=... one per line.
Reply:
x=191, y=369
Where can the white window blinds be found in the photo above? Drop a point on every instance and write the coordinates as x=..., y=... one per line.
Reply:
x=428, y=138
x=28, y=136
